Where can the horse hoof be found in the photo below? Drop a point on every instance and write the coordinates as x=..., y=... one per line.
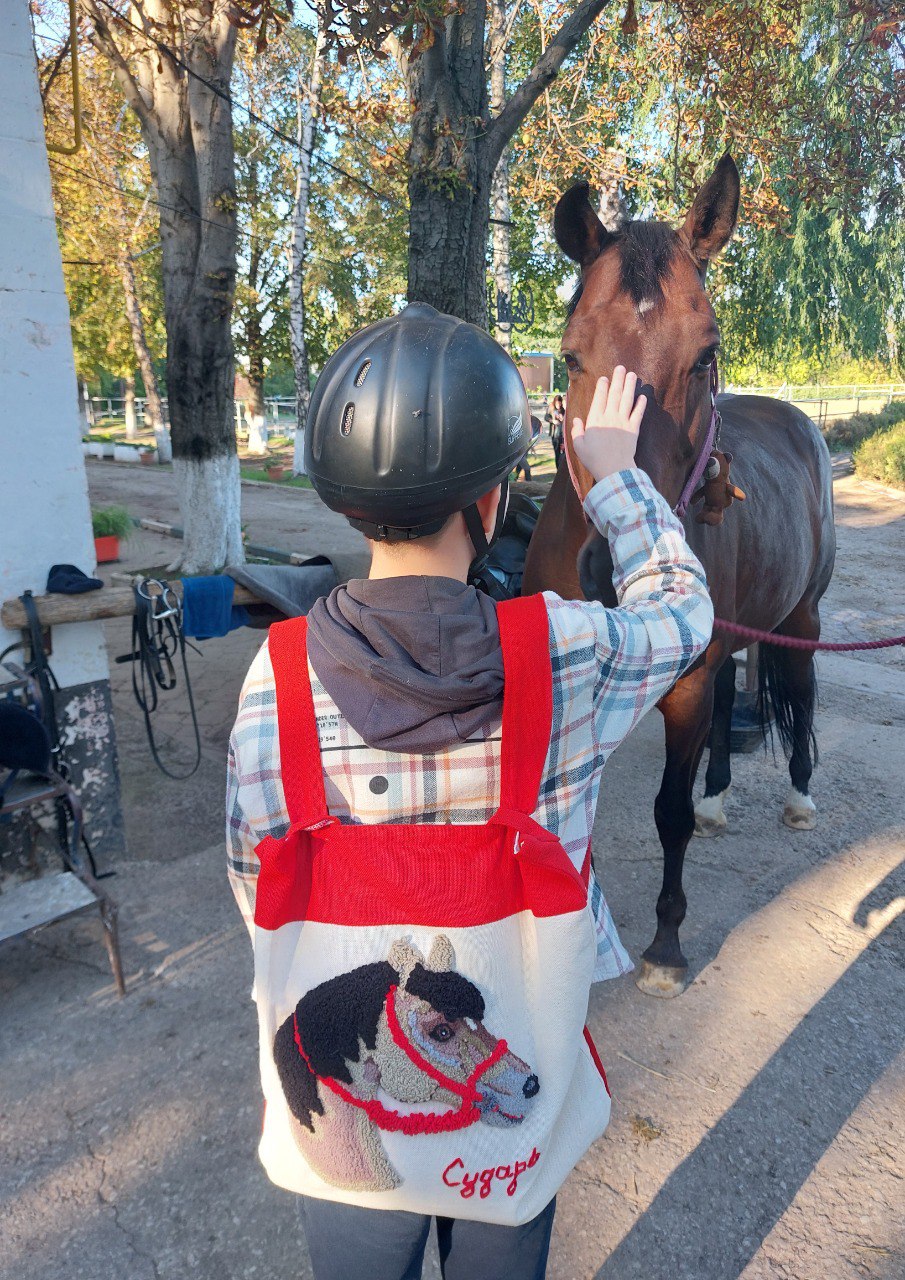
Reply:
x=665, y=981
x=800, y=812
x=709, y=818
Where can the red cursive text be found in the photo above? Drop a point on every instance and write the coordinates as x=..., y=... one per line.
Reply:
x=456, y=1175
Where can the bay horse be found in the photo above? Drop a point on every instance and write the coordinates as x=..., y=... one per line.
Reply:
x=641, y=302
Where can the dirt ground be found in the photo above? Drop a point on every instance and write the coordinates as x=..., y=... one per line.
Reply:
x=757, y=1125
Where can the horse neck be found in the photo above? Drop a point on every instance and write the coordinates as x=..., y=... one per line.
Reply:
x=346, y=1149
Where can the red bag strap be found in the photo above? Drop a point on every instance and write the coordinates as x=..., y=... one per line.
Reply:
x=300, y=756
x=527, y=700
x=527, y=711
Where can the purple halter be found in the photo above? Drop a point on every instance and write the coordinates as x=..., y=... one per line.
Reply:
x=700, y=466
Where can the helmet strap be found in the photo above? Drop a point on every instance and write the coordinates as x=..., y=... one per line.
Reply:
x=475, y=525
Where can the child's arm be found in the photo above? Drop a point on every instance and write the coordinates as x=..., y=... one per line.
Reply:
x=241, y=861
x=664, y=616
x=255, y=805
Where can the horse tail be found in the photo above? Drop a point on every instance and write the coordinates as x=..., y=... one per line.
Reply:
x=780, y=701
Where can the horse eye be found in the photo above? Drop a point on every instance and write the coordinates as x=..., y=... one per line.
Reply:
x=705, y=360
x=442, y=1033
x=571, y=363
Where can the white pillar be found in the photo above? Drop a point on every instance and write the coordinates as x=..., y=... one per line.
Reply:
x=45, y=517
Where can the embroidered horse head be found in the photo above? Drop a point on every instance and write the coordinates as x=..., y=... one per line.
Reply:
x=400, y=1030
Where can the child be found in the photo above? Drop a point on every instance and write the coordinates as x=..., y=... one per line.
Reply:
x=412, y=784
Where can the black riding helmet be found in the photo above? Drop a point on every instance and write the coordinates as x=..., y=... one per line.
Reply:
x=413, y=419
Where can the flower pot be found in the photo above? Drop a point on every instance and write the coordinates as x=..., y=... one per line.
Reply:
x=275, y=473
x=124, y=453
x=106, y=549
x=148, y=457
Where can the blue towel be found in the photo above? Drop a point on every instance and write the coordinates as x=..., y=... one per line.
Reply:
x=208, y=609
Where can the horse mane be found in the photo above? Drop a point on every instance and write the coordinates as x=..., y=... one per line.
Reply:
x=447, y=992
x=332, y=1019
x=646, y=252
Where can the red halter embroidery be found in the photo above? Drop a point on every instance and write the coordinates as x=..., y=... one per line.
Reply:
x=417, y=1122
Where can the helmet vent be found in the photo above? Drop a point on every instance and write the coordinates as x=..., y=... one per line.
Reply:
x=348, y=415
x=362, y=373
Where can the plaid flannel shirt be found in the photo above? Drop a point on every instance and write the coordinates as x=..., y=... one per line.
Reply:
x=610, y=666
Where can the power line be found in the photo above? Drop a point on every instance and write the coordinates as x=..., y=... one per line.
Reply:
x=190, y=213
x=227, y=97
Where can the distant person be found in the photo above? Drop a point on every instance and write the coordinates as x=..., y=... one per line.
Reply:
x=557, y=427
x=523, y=465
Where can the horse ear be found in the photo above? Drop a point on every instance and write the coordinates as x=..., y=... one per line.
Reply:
x=579, y=232
x=403, y=957
x=712, y=218
x=442, y=958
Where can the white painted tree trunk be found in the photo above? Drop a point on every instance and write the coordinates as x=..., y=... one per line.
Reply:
x=184, y=108
x=129, y=407
x=204, y=487
x=500, y=208
x=257, y=435
x=308, y=105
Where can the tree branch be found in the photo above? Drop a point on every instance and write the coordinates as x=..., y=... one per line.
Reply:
x=102, y=37
x=539, y=77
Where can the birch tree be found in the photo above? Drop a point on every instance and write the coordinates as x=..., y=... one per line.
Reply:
x=501, y=207
x=173, y=62
x=307, y=106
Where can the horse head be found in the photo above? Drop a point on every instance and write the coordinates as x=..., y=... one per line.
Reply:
x=446, y=1045
x=641, y=302
x=406, y=1029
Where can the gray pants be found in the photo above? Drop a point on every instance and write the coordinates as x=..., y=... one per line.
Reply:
x=348, y=1243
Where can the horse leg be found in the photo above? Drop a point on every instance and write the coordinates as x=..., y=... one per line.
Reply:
x=709, y=818
x=687, y=710
x=789, y=685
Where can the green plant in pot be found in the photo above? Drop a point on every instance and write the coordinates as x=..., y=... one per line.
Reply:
x=110, y=525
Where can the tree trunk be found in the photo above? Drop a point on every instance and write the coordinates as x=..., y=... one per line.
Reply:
x=153, y=406
x=455, y=148
x=187, y=127
x=308, y=104
x=129, y=406
x=192, y=161
x=499, y=189
x=612, y=208
x=254, y=401
x=449, y=186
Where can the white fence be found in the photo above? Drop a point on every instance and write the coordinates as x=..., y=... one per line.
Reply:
x=827, y=404
x=823, y=403
x=279, y=412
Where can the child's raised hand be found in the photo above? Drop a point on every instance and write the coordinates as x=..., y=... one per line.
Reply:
x=606, y=443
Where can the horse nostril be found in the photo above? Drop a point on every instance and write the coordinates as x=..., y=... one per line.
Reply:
x=531, y=1087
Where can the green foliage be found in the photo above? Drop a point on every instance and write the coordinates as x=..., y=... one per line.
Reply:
x=860, y=426
x=111, y=522
x=882, y=456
